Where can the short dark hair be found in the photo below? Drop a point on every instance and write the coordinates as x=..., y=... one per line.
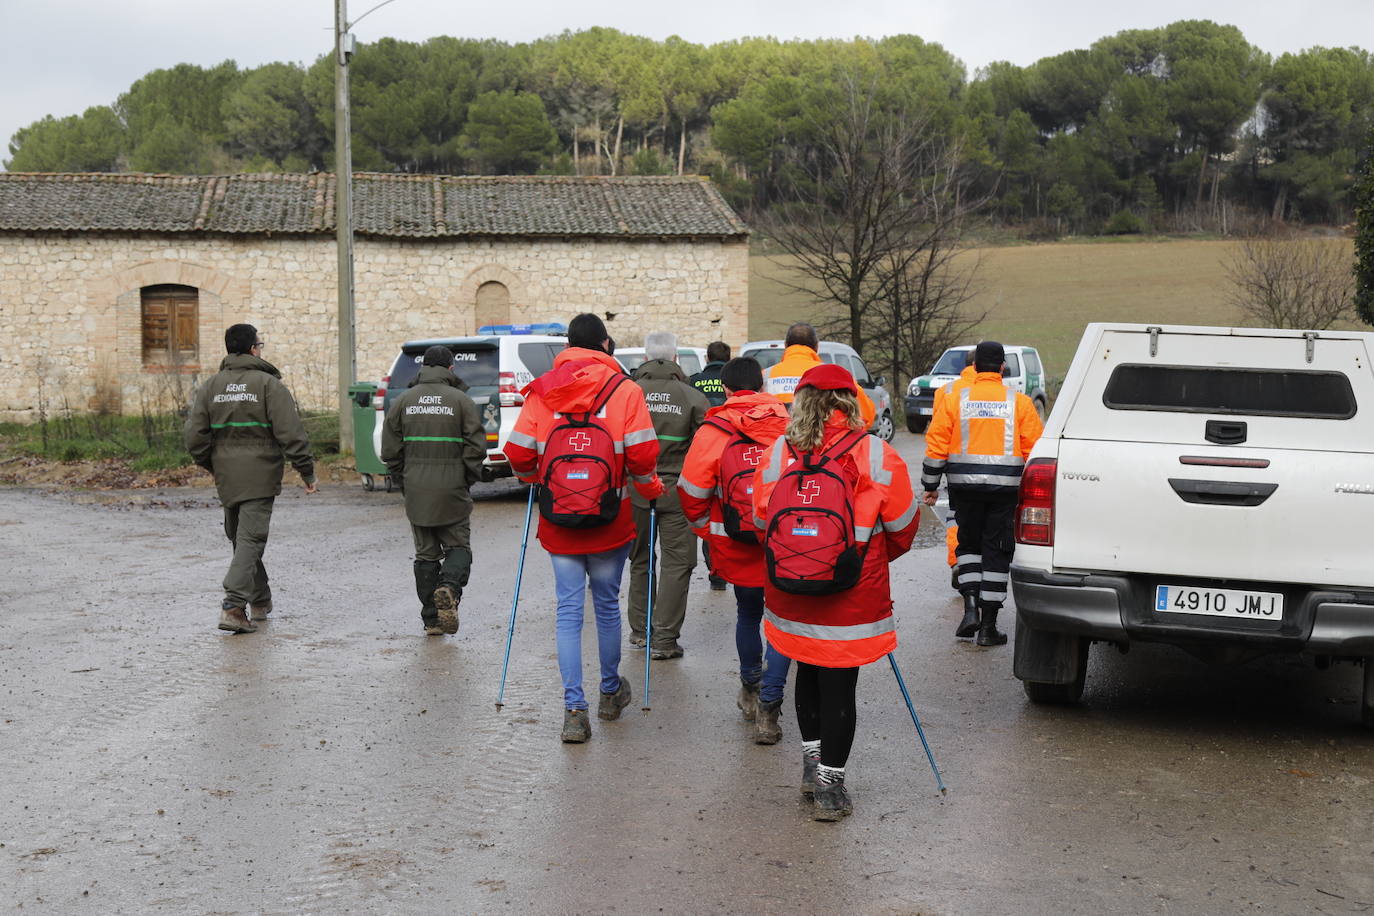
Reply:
x=717, y=351
x=240, y=338
x=438, y=355
x=803, y=334
x=587, y=331
x=742, y=374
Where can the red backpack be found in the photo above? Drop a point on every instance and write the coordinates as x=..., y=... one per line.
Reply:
x=580, y=473
x=738, y=460
x=809, y=546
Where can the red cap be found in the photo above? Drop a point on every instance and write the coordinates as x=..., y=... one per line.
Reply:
x=828, y=377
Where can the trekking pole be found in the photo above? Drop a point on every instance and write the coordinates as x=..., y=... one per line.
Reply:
x=649, y=609
x=917, y=722
x=515, y=599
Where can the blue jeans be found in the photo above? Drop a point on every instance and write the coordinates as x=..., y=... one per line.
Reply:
x=572, y=573
x=753, y=650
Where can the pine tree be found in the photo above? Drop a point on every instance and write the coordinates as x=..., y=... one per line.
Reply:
x=1364, y=237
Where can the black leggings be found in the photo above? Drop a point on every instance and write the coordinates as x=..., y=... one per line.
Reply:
x=825, y=709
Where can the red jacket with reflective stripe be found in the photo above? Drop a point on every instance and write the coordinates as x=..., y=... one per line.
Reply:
x=762, y=418
x=856, y=626
x=571, y=386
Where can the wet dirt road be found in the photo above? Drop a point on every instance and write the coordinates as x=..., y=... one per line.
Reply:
x=337, y=761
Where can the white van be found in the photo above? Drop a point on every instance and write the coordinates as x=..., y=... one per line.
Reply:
x=1023, y=373
x=768, y=353
x=1199, y=487
x=495, y=364
x=691, y=359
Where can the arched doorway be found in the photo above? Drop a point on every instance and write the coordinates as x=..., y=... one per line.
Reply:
x=493, y=304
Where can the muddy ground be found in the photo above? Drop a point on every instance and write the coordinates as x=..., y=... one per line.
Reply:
x=338, y=761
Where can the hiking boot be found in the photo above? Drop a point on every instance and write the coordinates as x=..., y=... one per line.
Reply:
x=234, y=620
x=808, y=783
x=717, y=584
x=766, y=728
x=260, y=611
x=988, y=634
x=433, y=629
x=969, y=625
x=446, y=603
x=577, y=728
x=638, y=641
x=612, y=703
x=832, y=802
x=667, y=650
x=748, y=700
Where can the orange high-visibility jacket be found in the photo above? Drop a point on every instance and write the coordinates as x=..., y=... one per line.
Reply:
x=980, y=437
x=853, y=627
x=763, y=419
x=781, y=380
x=570, y=387
x=964, y=380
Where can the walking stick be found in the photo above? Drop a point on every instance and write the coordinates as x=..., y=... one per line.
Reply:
x=917, y=722
x=649, y=609
x=515, y=599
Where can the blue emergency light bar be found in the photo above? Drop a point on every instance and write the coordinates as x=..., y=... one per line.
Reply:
x=547, y=327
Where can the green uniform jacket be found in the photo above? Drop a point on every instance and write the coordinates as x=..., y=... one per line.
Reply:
x=433, y=441
x=242, y=423
x=676, y=408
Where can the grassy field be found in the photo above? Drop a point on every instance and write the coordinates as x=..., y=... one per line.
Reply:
x=1044, y=295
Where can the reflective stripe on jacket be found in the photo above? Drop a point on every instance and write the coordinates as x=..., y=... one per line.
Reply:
x=853, y=627
x=572, y=386
x=762, y=418
x=980, y=436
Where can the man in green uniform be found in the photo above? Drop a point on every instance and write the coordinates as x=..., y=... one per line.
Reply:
x=677, y=409
x=243, y=423
x=433, y=442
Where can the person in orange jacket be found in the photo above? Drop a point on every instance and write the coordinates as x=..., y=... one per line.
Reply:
x=706, y=498
x=802, y=353
x=831, y=636
x=951, y=524
x=979, y=440
x=582, y=376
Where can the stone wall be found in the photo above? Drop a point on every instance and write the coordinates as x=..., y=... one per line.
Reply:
x=71, y=308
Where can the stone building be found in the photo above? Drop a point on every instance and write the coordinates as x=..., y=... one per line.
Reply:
x=115, y=289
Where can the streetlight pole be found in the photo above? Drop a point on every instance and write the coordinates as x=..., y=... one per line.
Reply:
x=343, y=222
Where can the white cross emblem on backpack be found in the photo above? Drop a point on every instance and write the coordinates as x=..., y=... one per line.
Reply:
x=752, y=455
x=809, y=491
x=579, y=440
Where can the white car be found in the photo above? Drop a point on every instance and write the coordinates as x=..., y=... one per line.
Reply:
x=495, y=364
x=1024, y=373
x=691, y=359
x=1200, y=487
x=768, y=353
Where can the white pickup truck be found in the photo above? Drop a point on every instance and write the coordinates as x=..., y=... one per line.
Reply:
x=1202, y=487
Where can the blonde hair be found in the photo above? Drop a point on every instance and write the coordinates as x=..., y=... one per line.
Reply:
x=811, y=407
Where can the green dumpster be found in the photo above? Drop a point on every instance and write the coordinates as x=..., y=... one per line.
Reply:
x=364, y=422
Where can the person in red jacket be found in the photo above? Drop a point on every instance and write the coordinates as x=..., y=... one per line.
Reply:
x=582, y=376
x=761, y=418
x=831, y=636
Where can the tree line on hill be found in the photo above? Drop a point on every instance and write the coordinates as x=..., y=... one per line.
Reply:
x=1184, y=126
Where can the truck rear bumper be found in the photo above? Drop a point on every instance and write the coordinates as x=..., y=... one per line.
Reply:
x=1116, y=608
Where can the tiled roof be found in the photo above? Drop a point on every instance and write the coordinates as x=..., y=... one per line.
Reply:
x=397, y=206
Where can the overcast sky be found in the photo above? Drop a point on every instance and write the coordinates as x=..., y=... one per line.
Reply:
x=62, y=56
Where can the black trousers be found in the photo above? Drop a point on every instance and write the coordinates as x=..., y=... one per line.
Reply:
x=986, y=541
x=825, y=709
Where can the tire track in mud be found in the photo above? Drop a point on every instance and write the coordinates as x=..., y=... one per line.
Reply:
x=501, y=757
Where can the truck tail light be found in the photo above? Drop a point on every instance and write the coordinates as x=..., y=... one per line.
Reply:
x=379, y=398
x=509, y=394
x=1035, y=510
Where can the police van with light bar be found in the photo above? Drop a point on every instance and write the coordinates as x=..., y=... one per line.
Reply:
x=495, y=364
x=1199, y=487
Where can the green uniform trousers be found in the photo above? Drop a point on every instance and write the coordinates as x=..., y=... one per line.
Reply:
x=450, y=545
x=676, y=553
x=246, y=524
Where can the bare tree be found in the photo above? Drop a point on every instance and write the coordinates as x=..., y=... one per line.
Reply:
x=1283, y=282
